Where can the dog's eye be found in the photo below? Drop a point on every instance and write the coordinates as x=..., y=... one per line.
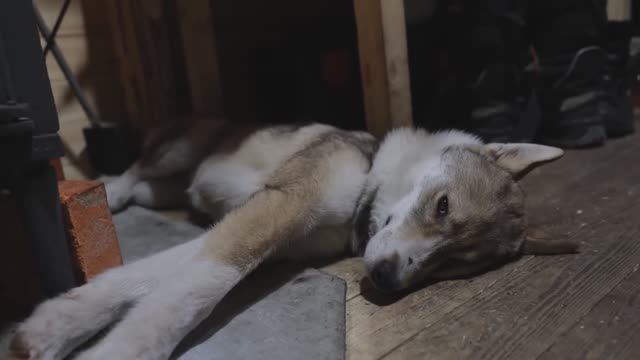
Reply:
x=442, y=208
x=387, y=221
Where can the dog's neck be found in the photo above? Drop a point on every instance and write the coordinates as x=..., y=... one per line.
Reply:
x=399, y=165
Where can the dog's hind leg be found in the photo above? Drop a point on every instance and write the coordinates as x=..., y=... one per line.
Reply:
x=161, y=193
x=318, y=186
x=119, y=188
x=159, y=169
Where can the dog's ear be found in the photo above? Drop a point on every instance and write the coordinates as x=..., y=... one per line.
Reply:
x=539, y=243
x=520, y=158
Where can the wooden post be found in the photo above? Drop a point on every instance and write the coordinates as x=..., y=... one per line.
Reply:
x=142, y=41
x=384, y=64
x=127, y=55
x=201, y=57
x=619, y=10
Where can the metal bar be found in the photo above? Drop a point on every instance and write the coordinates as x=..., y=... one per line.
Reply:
x=39, y=203
x=52, y=37
x=66, y=71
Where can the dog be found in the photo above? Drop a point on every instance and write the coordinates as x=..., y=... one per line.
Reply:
x=415, y=205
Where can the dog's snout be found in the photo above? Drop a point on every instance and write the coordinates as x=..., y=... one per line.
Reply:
x=383, y=275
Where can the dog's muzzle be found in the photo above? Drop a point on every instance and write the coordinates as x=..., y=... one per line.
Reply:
x=384, y=276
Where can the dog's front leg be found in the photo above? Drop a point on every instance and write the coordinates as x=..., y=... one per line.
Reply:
x=163, y=297
x=231, y=250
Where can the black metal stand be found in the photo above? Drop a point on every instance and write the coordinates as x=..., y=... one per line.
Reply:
x=28, y=139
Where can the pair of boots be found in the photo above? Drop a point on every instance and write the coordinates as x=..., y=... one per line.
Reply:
x=573, y=101
x=569, y=88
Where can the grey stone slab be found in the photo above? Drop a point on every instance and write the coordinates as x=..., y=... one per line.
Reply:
x=304, y=318
x=280, y=312
x=143, y=232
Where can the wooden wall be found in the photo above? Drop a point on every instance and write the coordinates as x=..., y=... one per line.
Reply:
x=150, y=62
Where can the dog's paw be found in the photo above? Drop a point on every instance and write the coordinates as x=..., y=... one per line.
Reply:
x=60, y=324
x=45, y=335
x=20, y=349
x=27, y=345
x=24, y=347
x=118, y=194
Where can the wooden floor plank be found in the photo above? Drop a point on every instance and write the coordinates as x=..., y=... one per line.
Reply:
x=521, y=313
x=374, y=330
x=617, y=316
x=542, y=182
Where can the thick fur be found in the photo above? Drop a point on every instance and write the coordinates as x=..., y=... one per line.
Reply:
x=292, y=192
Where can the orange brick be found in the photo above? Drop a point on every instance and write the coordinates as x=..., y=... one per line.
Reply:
x=92, y=236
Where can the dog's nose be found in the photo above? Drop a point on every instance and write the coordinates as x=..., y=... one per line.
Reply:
x=383, y=275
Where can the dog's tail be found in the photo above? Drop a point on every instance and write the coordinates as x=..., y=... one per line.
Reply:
x=537, y=242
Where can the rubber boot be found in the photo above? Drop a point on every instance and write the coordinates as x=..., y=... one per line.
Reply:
x=617, y=108
x=497, y=88
x=573, y=99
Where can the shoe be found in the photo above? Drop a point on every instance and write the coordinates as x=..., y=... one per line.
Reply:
x=573, y=101
x=494, y=122
x=500, y=92
x=617, y=109
x=621, y=71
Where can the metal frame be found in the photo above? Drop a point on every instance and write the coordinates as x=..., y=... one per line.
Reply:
x=28, y=139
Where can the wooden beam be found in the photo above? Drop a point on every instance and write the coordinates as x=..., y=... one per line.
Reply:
x=142, y=39
x=619, y=10
x=201, y=57
x=384, y=64
x=121, y=22
x=93, y=59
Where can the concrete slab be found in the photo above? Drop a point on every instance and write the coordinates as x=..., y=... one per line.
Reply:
x=281, y=312
x=143, y=232
x=304, y=318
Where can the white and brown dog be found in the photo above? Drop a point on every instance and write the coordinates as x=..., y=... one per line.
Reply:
x=416, y=205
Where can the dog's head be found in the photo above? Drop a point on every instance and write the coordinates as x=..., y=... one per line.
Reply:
x=465, y=215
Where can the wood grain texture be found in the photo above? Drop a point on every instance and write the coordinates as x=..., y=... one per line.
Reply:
x=384, y=66
x=201, y=58
x=542, y=182
x=611, y=330
x=374, y=330
x=143, y=39
x=524, y=314
x=102, y=73
x=397, y=59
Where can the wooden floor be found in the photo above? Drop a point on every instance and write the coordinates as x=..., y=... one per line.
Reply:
x=584, y=306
